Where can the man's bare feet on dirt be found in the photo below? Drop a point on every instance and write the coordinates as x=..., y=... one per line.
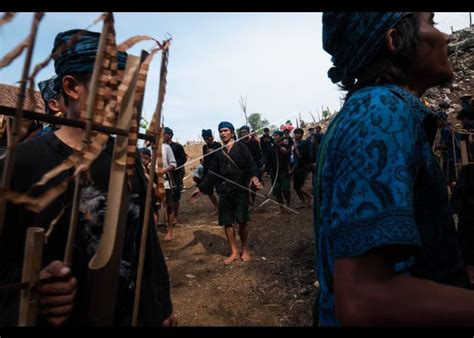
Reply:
x=245, y=256
x=231, y=258
x=168, y=237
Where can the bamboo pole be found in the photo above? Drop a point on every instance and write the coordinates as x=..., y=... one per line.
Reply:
x=29, y=297
x=86, y=138
x=10, y=152
x=105, y=264
x=149, y=190
x=64, y=121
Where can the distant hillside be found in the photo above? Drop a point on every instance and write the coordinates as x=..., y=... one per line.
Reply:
x=461, y=57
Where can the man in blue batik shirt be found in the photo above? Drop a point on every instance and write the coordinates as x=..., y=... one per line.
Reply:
x=386, y=242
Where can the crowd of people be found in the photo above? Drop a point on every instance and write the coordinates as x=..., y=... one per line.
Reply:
x=392, y=246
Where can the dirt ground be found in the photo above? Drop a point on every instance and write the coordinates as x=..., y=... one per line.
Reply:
x=276, y=288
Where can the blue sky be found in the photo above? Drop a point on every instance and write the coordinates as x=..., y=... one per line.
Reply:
x=275, y=59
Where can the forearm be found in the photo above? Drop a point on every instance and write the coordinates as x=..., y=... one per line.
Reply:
x=168, y=169
x=405, y=300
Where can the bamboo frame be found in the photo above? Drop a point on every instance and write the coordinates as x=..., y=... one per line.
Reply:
x=109, y=251
x=10, y=152
x=104, y=265
x=149, y=192
x=29, y=297
x=86, y=139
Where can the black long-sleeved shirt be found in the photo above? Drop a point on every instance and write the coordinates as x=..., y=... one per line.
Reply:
x=36, y=157
x=254, y=149
x=279, y=165
x=240, y=172
x=207, y=159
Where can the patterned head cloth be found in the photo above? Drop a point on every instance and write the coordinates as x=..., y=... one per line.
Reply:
x=80, y=57
x=245, y=128
x=145, y=150
x=49, y=89
x=353, y=39
x=278, y=132
x=168, y=131
x=206, y=133
x=225, y=124
x=441, y=115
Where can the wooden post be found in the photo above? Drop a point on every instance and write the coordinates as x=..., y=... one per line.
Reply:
x=29, y=297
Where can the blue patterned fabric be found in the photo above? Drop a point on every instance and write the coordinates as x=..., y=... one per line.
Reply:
x=80, y=57
x=49, y=89
x=378, y=183
x=206, y=133
x=225, y=124
x=354, y=38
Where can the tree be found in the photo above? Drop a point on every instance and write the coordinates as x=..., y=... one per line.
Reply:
x=326, y=114
x=144, y=123
x=256, y=122
x=243, y=106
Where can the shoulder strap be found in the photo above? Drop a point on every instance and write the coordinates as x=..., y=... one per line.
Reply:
x=230, y=159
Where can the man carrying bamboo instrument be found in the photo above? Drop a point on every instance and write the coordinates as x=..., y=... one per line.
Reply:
x=62, y=294
x=230, y=171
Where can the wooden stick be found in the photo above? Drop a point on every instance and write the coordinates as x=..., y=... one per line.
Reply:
x=10, y=152
x=104, y=266
x=29, y=297
x=64, y=121
x=149, y=190
x=86, y=140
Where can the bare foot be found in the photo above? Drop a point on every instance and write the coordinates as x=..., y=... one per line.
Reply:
x=230, y=259
x=245, y=256
x=168, y=237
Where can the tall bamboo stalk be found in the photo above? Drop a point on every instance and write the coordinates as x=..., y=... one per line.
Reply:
x=10, y=152
x=149, y=191
x=86, y=138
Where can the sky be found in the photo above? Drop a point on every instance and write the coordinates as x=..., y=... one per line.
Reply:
x=275, y=60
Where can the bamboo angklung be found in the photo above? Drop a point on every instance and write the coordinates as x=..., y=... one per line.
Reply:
x=7, y=17
x=149, y=192
x=138, y=100
x=103, y=272
x=91, y=106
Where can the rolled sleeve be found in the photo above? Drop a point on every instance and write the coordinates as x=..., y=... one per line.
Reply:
x=375, y=170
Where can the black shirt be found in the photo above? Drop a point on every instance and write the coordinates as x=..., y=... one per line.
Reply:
x=254, y=149
x=180, y=156
x=179, y=153
x=33, y=159
x=279, y=160
x=302, y=164
x=207, y=159
x=266, y=142
x=239, y=170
